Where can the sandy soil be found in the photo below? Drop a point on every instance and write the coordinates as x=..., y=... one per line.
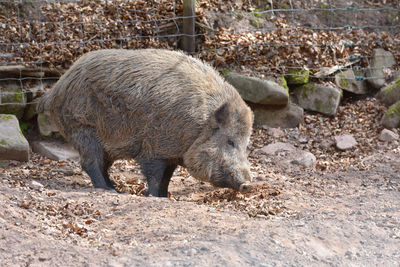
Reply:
x=347, y=218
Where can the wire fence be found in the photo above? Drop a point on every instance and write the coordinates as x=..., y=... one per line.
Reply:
x=40, y=39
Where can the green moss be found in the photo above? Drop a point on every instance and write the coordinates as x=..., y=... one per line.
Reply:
x=14, y=102
x=394, y=86
x=22, y=134
x=4, y=164
x=326, y=10
x=4, y=12
x=239, y=16
x=5, y=117
x=257, y=14
x=285, y=6
x=24, y=125
x=225, y=72
x=283, y=83
x=319, y=105
x=344, y=83
x=297, y=76
x=393, y=16
x=18, y=96
x=394, y=110
x=3, y=142
x=307, y=89
x=255, y=22
x=323, y=6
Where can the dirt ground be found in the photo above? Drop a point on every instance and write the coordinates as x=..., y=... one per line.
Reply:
x=51, y=216
x=342, y=212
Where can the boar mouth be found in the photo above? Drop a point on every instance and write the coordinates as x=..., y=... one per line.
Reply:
x=232, y=183
x=240, y=187
x=224, y=179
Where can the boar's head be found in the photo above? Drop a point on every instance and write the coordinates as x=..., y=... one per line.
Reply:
x=219, y=154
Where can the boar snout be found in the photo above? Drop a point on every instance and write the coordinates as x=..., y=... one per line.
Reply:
x=237, y=181
x=244, y=184
x=245, y=188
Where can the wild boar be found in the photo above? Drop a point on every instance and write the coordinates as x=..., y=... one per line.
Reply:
x=160, y=107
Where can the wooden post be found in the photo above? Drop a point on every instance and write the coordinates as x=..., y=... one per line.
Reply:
x=188, y=42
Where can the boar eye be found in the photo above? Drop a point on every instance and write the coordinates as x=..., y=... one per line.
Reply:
x=231, y=143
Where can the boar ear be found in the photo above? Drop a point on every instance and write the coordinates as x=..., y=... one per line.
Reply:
x=221, y=115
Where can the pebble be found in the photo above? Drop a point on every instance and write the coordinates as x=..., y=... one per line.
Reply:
x=388, y=135
x=276, y=132
x=276, y=147
x=345, y=142
x=304, y=158
x=36, y=185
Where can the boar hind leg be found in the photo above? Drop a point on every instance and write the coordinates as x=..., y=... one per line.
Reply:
x=94, y=160
x=158, y=173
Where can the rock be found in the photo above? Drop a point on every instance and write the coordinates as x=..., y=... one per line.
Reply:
x=304, y=158
x=291, y=155
x=391, y=119
x=12, y=100
x=388, y=136
x=390, y=94
x=345, y=142
x=45, y=125
x=36, y=186
x=380, y=59
x=276, y=147
x=13, y=145
x=303, y=140
x=297, y=76
x=275, y=132
x=325, y=144
x=289, y=117
x=347, y=81
x=320, y=98
x=258, y=91
x=282, y=82
x=55, y=150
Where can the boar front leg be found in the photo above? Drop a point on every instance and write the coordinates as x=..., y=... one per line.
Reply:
x=158, y=173
x=94, y=160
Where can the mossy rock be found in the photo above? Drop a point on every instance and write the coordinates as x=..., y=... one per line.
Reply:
x=5, y=117
x=297, y=76
x=320, y=98
x=391, y=93
x=391, y=119
x=258, y=91
x=13, y=101
x=343, y=82
x=394, y=109
x=306, y=90
x=347, y=80
x=288, y=117
x=380, y=59
x=13, y=145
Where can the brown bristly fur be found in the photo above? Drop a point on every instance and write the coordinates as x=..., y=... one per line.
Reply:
x=150, y=104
